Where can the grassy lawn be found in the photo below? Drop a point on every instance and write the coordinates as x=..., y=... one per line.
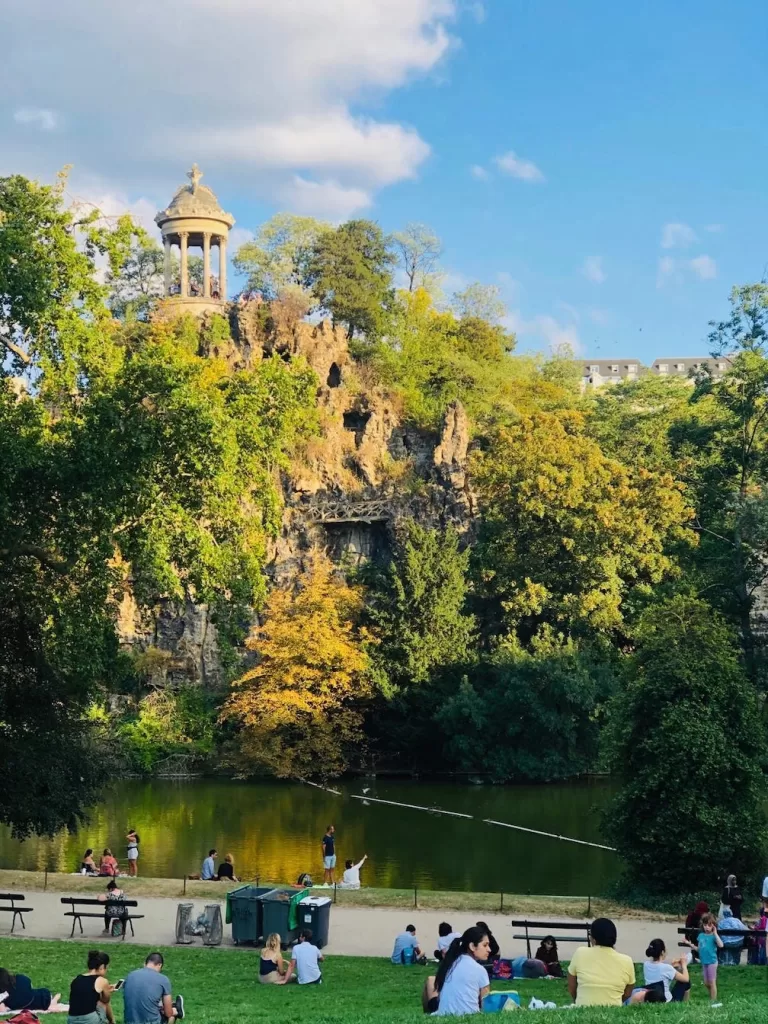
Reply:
x=426, y=899
x=220, y=987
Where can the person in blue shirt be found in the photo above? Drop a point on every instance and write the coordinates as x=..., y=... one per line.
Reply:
x=208, y=872
x=407, y=949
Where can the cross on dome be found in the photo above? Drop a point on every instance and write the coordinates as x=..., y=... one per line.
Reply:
x=194, y=176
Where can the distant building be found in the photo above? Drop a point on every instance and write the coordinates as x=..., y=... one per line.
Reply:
x=598, y=372
x=690, y=366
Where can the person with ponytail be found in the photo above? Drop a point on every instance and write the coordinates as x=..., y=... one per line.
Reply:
x=658, y=974
x=461, y=982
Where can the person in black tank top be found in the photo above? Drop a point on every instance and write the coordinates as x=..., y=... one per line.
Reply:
x=89, y=993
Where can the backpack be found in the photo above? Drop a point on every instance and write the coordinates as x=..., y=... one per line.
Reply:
x=24, y=1017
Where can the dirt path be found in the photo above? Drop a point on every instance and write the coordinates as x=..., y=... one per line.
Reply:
x=355, y=931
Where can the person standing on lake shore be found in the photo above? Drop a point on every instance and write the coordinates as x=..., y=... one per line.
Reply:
x=328, y=843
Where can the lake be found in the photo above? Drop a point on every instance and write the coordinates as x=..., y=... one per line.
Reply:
x=273, y=830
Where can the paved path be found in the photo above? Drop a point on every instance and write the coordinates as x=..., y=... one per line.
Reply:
x=355, y=931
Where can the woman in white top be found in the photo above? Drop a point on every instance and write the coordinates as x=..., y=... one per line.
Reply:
x=351, y=876
x=656, y=971
x=461, y=982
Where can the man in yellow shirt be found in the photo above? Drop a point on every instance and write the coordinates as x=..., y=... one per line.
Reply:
x=598, y=975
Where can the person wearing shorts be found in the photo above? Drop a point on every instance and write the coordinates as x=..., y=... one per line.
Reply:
x=329, y=854
x=707, y=944
x=133, y=852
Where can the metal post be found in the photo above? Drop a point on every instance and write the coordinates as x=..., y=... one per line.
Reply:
x=415, y=898
x=589, y=906
x=185, y=886
x=334, y=891
x=45, y=880
x=501, y=904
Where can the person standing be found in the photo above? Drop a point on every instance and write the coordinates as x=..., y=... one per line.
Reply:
x=133, y=852
x=147, y=995
x=707, y=944
x=328, y=843
x=731, y=896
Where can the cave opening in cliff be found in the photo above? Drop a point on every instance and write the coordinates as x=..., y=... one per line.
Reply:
x=355, y=421
x=357, y=542
x=334, y=376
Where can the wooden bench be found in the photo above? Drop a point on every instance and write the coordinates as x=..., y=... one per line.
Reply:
x=77, y=915
x=581, y=926
x=19, y=912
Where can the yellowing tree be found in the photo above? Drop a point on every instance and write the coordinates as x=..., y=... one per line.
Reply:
x=299, y=709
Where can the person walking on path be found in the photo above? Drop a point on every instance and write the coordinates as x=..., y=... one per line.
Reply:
x=328, y=843
x=147, y=995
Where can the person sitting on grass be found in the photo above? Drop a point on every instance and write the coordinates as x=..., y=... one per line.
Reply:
x=708, y=942
x=305, y=962
x=88, y=864
x=227, y=870
x=19, y=994
x=351, y=877
x=108, y=864
x=547, y=953
x=597, y=974
x=147, y=995
x=90, y=993
x=271, y=963
x=657, y=973
x=461, y=982
x=208, y=870
x=445, y=936
x=407, y=949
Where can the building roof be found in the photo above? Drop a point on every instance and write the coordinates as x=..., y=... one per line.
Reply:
x=194, y=200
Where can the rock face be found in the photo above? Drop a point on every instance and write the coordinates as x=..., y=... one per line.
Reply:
x=345, y=493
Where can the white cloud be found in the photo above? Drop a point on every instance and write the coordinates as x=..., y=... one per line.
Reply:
x=666, y=268
x=592, y=269
x=554, y=333
x=40, y=117
x=479, y=172
x=517, y=167
x=276, y=108
x=704, y=266
x=325, y=199
x=677, y=236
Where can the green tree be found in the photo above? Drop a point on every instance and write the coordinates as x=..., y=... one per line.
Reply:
x=567, y=533
x=350, y=274
x=131, y=454
x=528, y=714
x=481, y=301
x=418, y=607
x=278, y=257
x=685, y=739
x=418, y=251
x=138, y=283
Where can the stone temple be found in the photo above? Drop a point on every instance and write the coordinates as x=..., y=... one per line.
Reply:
x=194, y=220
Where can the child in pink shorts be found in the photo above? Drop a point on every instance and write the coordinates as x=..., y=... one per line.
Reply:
x=707, y=944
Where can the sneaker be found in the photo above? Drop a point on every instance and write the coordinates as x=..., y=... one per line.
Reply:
x=179, y=1004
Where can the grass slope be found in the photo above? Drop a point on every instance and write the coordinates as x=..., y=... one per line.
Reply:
x=221, y=986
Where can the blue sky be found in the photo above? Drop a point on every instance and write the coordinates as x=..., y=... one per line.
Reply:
x=604, y=163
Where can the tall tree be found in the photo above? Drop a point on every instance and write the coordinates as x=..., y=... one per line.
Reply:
x=299, y=710
x=278, y=257
x=567, y=533
x=418, y=249
x=686, y=740
x=482, y=301
x=350, y=274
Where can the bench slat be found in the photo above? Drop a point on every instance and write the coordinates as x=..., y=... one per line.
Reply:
x=11, y=896
x=17, y=910
x=557, y=938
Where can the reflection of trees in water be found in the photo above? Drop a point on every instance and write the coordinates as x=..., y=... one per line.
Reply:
x=273, y=829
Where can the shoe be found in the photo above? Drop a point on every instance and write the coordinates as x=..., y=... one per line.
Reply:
x=179, y=1004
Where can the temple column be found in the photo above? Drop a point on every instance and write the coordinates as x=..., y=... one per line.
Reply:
x=184, y=270
x=167, y=266
x=223, y=268
x=207, y=264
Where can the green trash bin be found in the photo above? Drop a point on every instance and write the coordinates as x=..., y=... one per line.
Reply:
x=244, y=912
x=280, y=914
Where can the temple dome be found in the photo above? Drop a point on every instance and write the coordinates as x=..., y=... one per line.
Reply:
x=194, y=200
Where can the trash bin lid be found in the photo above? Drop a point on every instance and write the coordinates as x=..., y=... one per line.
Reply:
x=315, y=901
x=278, y=896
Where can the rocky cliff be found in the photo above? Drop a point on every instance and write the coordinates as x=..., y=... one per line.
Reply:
x=346, y=492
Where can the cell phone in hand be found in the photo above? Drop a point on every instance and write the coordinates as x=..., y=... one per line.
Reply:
x=119, y=984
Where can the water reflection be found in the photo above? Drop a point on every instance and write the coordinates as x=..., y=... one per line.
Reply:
x=273, y=830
